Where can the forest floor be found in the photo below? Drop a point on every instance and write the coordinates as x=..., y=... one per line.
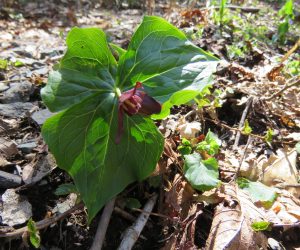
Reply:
x=253, y=107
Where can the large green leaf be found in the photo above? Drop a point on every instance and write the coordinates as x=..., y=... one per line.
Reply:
x=87, y=68
x=161, y=57
x=201, y=174
x=82, y=139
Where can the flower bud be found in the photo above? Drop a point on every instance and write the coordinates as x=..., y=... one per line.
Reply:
x=133, y=102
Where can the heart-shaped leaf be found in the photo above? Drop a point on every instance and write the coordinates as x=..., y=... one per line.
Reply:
x=88, y=68
x=171, y=68
x=83, y=140
x=201, y=174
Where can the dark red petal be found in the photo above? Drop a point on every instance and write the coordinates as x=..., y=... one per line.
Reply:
x=129, y=93
x=126, y=95
x=149, y=106
x=135, y=99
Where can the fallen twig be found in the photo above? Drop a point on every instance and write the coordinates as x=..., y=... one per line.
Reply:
x=243, y=157
x=252, y=135
x=132, y=233
x=291, y=51
x=103, y=224
x=231, y=128
x=154, y=214
x=242, y=122
x=14, y=80
x=294, y=83
x=283, y=185
x=43, y=223
x=297, y=224
x=236, y=7
x=124, y=214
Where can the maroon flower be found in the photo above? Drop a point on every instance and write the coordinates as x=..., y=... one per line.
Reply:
x=133, y=102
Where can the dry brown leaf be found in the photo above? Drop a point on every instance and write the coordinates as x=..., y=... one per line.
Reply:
x=170, y=156
x=286, y=208
x=169, y=125
x=178, y=204
x=281, y=168
x=213, y=196
x=275, y=72
x=188, y=234
x=239, y=73
x=231, y=227
x=188, y=130
x=178, y=195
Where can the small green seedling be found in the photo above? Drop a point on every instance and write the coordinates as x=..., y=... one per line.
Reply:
x=34, y=235
x=210, y=145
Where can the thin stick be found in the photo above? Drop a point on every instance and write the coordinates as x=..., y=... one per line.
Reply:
x=297, y=224
x=282, y=185
x=124, y=214
x=252, y=135
x=291, y=51
x=154, y=214
x=235, y=7
x=295, y=83
x=14, y=80
x=242, y=121
x=132, y=233
x=243, y=157
x=103, y=224
x=43, y=223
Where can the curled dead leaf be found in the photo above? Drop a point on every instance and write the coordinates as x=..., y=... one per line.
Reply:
x=231, y=226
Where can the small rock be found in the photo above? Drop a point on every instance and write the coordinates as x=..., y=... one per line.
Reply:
x=27, y=147
x=274, y=244
x=16, y=209
x=51, y=52
x=42, y=71
x=3, y=87
x=8, y=180
x=66, y=205
x=17, y=92
x=37, y=169
x=41, y=116
x=21, y=52
x=15, y=110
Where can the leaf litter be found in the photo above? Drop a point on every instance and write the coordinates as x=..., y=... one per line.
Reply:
x=225, y=214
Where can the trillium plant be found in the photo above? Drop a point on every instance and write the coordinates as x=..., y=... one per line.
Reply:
x=103, y=134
